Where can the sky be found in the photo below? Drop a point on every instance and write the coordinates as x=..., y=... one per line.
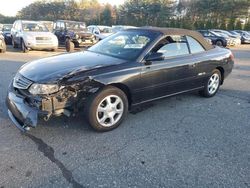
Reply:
x=11, y=7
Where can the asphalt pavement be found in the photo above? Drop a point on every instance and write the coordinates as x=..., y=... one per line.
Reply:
x=182, y=141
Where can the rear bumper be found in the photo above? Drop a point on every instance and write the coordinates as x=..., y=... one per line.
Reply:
x=228, y=68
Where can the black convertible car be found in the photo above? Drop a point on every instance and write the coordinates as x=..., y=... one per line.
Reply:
x=124, y=70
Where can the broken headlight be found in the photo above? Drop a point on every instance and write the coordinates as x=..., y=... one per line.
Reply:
x=39, y=89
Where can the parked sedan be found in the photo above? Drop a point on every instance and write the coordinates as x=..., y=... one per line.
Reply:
x=6, y=33
x=32, y=35
x=117, y=28
x=216, y=38
x=245, y=36
x=2, y=44
x=124, y=70
x=235, y=39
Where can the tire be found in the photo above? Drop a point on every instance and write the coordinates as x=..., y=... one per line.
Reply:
x=23, y=47
x=219, y=43
x=69, y=45
x=212, y=85
x=100, y=114
x=14, y=45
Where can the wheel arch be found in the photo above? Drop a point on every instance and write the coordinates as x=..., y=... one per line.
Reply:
x=125, y=89
x=222, y=71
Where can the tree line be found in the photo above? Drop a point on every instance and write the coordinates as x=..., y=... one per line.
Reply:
x=190, y=14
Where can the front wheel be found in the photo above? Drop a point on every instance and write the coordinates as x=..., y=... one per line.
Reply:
x=107, y=109
x=212, y=85
x=23, y=47
x=219, y=43
x=14, y=44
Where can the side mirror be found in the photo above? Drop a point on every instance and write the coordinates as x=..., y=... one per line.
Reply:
x=96, y=32
x=155, y=57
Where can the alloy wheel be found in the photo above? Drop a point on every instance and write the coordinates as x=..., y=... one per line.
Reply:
x=110, y=110
x=213, y=83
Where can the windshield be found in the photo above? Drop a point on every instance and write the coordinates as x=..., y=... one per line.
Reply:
x=216, y=34
x=7, y=27
x=105, y=29
x=124, y=45
x=34, y=27
x=222, y=34
x=75, y=26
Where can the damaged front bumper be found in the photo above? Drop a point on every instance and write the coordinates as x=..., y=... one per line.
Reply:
x=21, y=114
x=25, y=111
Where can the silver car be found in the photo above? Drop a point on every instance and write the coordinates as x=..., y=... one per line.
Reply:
x=32, y=35
x=235, y=39
x=100, y=31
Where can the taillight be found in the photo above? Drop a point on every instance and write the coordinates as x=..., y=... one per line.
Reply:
x=231, y=56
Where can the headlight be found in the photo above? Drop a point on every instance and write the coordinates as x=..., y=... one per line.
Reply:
x=38, y=89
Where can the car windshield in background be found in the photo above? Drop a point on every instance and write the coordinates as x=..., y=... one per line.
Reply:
x=223, y=34
x=75, y=26
x=124, y=45
x=105, y=29
x=216, y=34
x=7, y=27
x=34, y=27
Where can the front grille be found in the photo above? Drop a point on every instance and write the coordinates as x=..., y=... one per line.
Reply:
x=21, y=82
x=43, y=38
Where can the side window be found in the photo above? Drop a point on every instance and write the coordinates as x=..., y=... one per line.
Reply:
x=195, y=46
x=62, y=26
x=171, y=46
x=57, y=25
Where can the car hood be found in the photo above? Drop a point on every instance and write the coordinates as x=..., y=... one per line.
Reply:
x=39, y=34
x=53, y=69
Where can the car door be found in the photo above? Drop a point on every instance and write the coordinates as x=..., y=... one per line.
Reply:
x=18, y=33
x=201, y=62
x=15, y=31
x=59, y=32
x=172, y=75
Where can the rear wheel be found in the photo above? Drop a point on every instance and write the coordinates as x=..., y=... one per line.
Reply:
x=69, y=45
x=107, y=109
x=212, y=85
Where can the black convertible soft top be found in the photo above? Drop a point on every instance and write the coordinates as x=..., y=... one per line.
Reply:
x=177, y=31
